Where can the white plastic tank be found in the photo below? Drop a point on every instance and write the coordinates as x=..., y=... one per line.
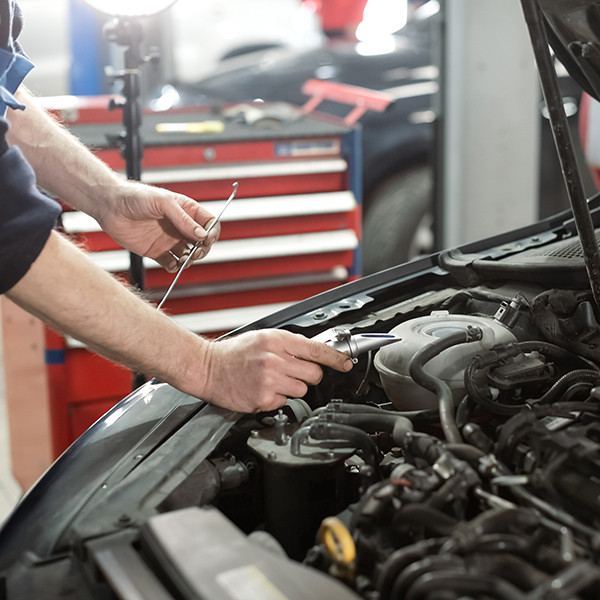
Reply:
x=392, y=362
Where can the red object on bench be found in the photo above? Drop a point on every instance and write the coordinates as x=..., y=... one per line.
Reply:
x=362, y=99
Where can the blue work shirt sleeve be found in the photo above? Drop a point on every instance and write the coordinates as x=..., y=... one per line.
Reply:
x=13, y=69
x=27, y=216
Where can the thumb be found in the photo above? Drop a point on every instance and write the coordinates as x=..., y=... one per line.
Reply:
x=182, y=219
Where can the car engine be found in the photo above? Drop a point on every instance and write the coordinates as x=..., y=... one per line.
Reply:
x=459, y=461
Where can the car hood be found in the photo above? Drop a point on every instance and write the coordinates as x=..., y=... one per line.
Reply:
x=573, y=33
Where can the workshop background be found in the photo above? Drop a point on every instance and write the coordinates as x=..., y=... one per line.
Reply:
x=463, y=98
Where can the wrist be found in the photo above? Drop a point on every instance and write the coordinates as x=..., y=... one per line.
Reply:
x=99, y=198
x=189, y=370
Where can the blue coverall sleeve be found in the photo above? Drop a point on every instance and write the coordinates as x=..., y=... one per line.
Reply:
x=27, y=216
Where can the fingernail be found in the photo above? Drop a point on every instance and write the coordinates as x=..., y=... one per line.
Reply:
x=348, y=365
x=199, y=232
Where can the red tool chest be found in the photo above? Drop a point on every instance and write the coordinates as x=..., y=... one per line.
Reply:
x=292, y=231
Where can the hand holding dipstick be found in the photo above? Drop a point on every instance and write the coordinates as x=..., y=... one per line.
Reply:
x=193, y=249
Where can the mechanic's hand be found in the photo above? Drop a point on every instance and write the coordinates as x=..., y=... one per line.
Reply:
x=259, y=370
x=157, y=223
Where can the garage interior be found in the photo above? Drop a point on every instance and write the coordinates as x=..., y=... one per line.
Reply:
x=489, y=147
x=490, y=92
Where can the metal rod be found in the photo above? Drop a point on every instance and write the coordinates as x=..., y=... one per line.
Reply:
x=564, y=145
x=198, y=244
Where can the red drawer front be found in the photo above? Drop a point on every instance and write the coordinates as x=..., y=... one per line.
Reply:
x=98, y=241
x=276, y=186
x=269, y=267
x=209, y=154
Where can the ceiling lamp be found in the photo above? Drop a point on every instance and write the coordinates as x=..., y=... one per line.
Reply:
x=130, y=8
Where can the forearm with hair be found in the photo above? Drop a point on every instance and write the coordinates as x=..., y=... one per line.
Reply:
x=64, y=166
x=69, y=292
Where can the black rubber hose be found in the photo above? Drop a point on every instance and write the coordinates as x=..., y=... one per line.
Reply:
x=420, y=445
x=349, y=408
x=464, y=410
x=464, y=585
x=427, y=566
x=370, y=422
x=362, y=409
x=398, y=560
x=432, y=519
x=467, y=452
x=573, y=377
x=475, y=436
x=488, y=543
x=434, y=384
x=506, y=410
x=517, y=570
x=357, y=438
x=493, y=522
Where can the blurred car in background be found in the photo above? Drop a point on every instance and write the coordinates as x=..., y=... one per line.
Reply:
x=395, y=52
x=395, y=55
x=208, y=31
x=193, y=37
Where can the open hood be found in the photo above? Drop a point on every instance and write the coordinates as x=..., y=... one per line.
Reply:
x=571, y=28
x=574, y=33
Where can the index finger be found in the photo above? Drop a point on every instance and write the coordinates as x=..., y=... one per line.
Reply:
x=213, y=231
x=323, y=354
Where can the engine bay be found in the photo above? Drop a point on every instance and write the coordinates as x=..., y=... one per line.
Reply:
x=459, y=458
x=461, y=461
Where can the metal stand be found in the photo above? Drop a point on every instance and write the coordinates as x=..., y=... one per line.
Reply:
x=129, y=34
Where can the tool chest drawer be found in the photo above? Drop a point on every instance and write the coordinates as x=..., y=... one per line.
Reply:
x=292, y=231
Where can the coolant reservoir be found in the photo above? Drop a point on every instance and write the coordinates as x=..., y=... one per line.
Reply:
x=392, y=361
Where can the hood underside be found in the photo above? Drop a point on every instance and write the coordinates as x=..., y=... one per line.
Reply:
x=574, y=33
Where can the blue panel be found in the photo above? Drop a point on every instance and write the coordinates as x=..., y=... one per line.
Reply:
x=55, y=357
x=87, y=68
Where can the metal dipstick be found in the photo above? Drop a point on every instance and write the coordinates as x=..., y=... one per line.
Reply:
x=198, y=244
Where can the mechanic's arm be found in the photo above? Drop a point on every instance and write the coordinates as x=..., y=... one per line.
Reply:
x=254, y=371
x=147, y=220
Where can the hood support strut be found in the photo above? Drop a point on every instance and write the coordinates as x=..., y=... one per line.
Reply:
x=564, y=145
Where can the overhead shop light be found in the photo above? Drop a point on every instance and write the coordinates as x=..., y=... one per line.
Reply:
x=130, y=8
